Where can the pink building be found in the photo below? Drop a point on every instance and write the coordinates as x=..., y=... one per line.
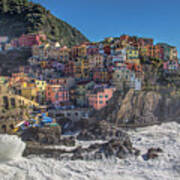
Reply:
x=142, y=42
x=30, y=40
x=92, y=50
x=69, y=68
x=57, y=94
x=99, y=98
x=101, y=75
x=170, y=65
x=4, y=39
x=96, y=61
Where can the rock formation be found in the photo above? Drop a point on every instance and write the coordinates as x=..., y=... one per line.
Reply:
x=142, y=108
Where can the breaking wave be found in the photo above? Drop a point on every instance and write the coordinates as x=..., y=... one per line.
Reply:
x=11, y=147
x=165, y=167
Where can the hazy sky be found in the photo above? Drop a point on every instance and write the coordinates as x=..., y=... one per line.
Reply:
x=98, y=19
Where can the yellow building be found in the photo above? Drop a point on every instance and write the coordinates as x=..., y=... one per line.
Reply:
x=82, y=50
x=132, y=55
x=82, y=68
x=173, y=53
x=29, y=93
x=41, y=85
x=44, y=63
x=64, y=54
x=133, y=61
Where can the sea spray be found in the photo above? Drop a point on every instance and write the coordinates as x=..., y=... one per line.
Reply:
x=11, y=147
x=165, y=167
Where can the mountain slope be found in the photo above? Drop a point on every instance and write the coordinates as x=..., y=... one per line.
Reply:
x=20, y=16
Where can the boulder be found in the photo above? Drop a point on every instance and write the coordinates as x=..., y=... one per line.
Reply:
x=152, y=153
x=44, y=135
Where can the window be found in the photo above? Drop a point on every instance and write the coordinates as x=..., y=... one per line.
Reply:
x=100, y=96
x=57, y=96
x=106, y=96
x=100, y=102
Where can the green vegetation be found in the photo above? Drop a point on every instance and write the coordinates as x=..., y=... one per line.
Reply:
x=11, y=60
x=21, y=16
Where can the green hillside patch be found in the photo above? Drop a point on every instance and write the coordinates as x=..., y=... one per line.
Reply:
x=19, y=17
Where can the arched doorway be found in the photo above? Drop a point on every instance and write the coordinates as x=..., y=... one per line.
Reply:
x=11, y=126
x=13, y=102
x=5, y=102
x=4, y=128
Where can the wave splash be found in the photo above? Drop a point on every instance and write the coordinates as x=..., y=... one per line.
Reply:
x=165, y=167
x=11, y=147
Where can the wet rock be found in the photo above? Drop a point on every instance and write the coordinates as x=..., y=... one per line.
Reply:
x=68, y=141
x=152, y=153
x=137, y=152
x=116, y=143
x=44, y=135
x=101, y=131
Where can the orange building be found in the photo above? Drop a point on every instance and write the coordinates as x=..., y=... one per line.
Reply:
x=56, y=94
x=99, y=98
x=147, y=50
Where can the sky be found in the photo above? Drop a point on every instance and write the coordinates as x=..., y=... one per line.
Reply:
x=97, y=19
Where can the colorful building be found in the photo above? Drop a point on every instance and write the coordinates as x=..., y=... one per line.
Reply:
x=18, y=78
x=66, y=82
x=122, y=77
x=69, y=68
x=96, y=61
x=173, y=53
x=30, y=40
x=29, y=93
x=57, y=94
x=101, y=75
x=92, y=50
x=64, y=54
x=147, y=51
x=171, y=65
x=81, y=90
x=142, y=42
x=82, y=70
x=132, y=55
x=82, y=50
x=99, y=97
x=41, y=85
x=107, y=49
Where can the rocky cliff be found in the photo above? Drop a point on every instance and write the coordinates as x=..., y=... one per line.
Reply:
x=142, y=108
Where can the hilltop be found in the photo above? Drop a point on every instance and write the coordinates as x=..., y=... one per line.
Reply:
x=19, y=17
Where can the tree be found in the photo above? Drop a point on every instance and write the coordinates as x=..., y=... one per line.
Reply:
x=4, y=6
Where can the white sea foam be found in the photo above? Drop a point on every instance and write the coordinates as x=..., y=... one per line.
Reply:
x=165, y=167
x=11, y=147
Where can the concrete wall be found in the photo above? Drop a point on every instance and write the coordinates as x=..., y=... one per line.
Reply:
x=12, y=101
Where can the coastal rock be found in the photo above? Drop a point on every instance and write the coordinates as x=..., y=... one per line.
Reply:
x=68, y=141
x=101, y=131
x=143, y=108
x=152, y=153
x=44, y=135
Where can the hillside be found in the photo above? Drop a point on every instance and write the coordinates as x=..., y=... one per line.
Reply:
x=21, y=16
x=11, y=60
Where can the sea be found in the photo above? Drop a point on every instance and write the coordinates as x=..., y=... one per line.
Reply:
x=166, y=167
